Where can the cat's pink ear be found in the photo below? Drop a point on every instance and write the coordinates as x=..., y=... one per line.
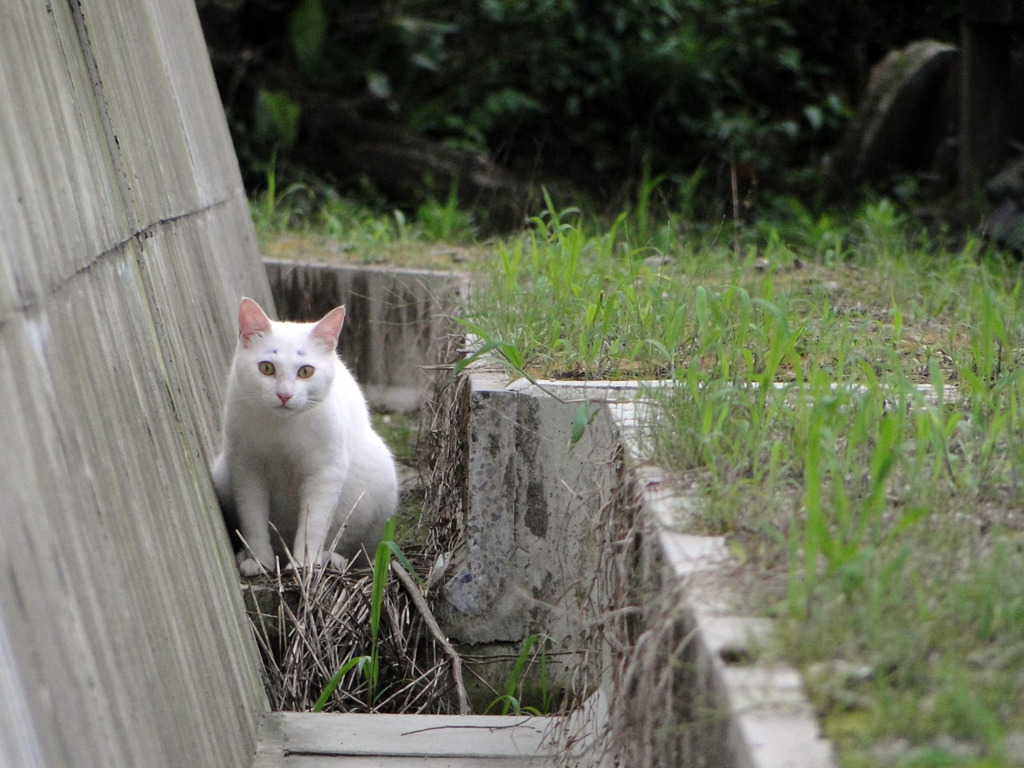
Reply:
x=252, y=322
x=326, y=331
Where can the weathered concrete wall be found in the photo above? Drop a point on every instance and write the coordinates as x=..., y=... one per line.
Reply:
x=530, y=530
x=125, y=241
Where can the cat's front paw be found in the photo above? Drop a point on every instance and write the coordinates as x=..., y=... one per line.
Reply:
x=334, y=562
x=250, y=566
x=337, y=562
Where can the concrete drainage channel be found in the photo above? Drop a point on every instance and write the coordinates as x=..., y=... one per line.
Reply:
x=573, y=541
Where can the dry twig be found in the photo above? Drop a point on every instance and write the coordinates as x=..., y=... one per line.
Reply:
x=428, y=617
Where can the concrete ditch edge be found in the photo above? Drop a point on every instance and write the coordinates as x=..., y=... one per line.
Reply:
x=762, y=718
x=771, y=723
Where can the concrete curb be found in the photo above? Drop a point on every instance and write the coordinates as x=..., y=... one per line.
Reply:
x=770, y=722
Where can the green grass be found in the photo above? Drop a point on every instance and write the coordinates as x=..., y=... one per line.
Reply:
x=886, y=535
x=532, y=658
x=631, y=303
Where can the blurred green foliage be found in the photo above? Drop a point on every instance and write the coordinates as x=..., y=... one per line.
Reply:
x=594, y=91
x=275, y=120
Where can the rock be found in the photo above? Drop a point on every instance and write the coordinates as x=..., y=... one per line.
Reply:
x=1005, y=226
x=890, y=751
x=1008, y=184
x=905, y=117
x=1013, y=747
x=659, y=260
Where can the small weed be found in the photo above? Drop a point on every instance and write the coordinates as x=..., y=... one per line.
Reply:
x=533, y=652
x=444, y=222
x=369, y=666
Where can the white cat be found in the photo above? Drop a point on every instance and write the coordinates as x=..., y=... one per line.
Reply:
x=299, y=451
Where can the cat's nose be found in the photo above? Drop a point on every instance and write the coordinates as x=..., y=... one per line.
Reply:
x=284, y=397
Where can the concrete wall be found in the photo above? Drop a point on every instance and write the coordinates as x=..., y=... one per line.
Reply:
x=531, y=530
x=125, y=241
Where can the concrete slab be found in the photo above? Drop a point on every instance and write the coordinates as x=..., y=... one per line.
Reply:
x=305, y=740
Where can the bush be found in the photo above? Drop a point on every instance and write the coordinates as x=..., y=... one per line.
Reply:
x=596, y=92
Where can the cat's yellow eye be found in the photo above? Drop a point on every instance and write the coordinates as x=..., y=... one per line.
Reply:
x=305, y=371
x=267, y=368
